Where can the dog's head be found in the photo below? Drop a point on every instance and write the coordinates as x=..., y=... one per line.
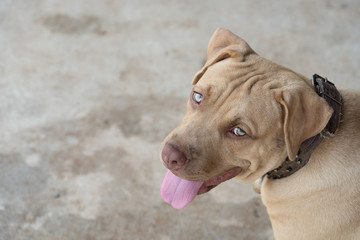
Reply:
x=244, y=115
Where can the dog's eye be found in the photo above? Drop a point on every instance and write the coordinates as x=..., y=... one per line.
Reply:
x=239, y=132
x=197, y=97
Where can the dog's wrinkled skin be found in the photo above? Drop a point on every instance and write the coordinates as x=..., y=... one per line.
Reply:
x=278, y=109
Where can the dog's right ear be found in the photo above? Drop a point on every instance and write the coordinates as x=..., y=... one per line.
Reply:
x=223, y=44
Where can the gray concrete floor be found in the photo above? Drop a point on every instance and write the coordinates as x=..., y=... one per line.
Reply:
x=88, y=90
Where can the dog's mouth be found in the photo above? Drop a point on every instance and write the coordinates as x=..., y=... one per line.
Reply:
x=210, y=184
x=179, y=192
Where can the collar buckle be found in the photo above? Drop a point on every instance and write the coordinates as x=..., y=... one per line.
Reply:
x=328, y=91
x=324, y=88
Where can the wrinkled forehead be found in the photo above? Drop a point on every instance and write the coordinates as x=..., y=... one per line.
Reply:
x=227, y=78
x=237, y=90
x=219, y=77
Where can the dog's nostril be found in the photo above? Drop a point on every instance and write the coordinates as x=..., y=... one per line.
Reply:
x=173, y=158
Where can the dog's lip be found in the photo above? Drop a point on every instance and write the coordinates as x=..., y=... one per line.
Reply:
x=210, y=184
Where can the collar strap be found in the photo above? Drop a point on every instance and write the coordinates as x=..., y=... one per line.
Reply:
x=327, y=90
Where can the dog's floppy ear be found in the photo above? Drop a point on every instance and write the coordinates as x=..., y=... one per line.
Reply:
x=223, y=44
x=305, y=115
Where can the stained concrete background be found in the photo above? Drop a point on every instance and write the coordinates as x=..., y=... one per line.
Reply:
x=88, y=90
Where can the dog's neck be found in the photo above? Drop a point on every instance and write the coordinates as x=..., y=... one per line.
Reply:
x=328, y=91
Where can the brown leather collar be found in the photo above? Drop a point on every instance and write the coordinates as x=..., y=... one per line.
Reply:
x=328, y=91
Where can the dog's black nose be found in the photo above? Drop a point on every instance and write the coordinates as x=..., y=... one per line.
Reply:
x=173, y=158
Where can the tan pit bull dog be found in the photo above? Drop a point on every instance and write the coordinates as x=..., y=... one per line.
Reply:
x=251, y=118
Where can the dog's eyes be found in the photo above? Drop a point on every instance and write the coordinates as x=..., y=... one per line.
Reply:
x=239, y=132
x=197, y=97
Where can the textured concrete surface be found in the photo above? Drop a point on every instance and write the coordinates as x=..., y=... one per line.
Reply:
x=88, y=90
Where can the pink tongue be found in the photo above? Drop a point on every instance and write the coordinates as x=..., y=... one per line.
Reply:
x=178, y=192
